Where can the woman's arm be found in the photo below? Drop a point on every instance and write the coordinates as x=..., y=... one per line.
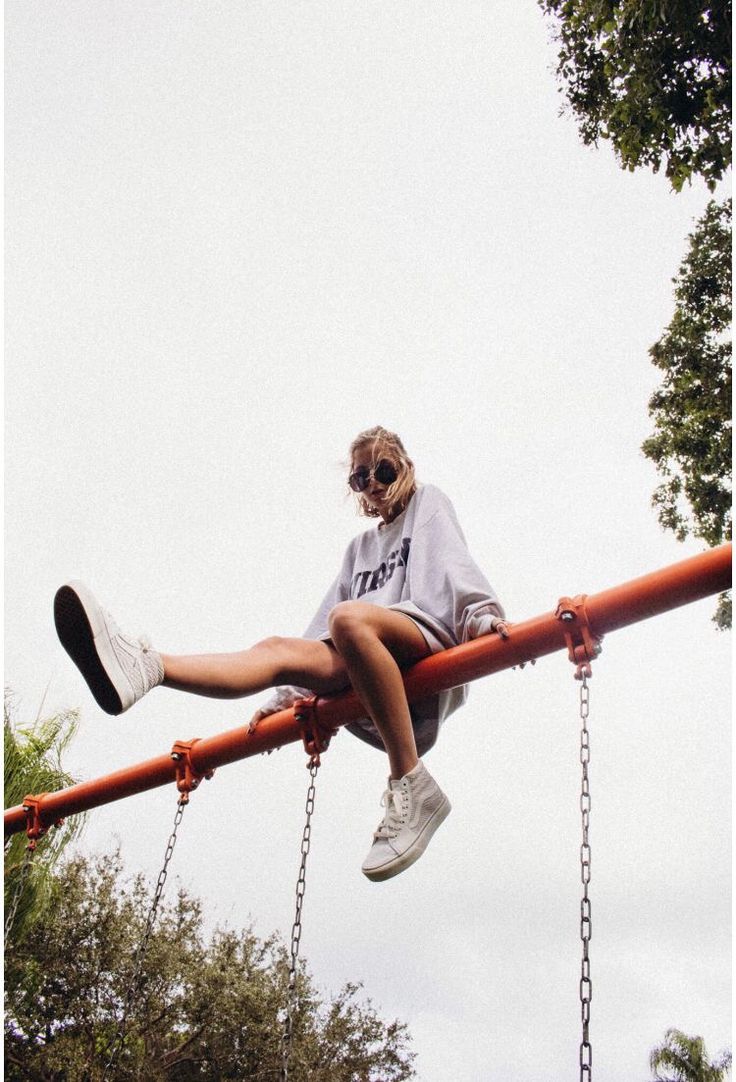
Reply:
x=445, y=580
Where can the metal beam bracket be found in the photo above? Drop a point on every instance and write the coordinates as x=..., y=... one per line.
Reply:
x=582, y=645
x=315, y=735
x=187, y=779
x=34, y=826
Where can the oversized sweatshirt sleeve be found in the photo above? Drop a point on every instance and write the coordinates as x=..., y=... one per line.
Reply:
x=445, y=580
x=287, y=695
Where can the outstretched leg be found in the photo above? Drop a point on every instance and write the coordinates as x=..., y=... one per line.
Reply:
x=120, y=670
x=274, y=661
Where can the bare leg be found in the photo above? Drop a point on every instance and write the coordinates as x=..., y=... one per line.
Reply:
x=304, y=662
x=375, y=643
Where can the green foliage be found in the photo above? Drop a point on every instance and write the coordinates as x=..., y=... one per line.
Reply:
x=684, y=1059
x=208, y=1008
x=691, y=445
x=654, y=77
x=33, y=766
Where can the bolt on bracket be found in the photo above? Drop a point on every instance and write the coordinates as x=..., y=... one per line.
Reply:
x=583, y=646
x=315, y=735
x=187, y=778
x=35, y=828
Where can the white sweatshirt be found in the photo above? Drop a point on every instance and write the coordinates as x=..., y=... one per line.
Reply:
x=418, y=564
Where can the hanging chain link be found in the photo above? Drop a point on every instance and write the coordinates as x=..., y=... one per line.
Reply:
x=586, y=985
x=296, y=930
x=23, y=874
x=136, y=979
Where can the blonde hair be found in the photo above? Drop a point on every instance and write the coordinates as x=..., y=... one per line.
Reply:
x=385, y=444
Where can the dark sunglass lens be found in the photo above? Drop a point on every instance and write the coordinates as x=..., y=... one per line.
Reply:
x=358, y=481
x=385, y=473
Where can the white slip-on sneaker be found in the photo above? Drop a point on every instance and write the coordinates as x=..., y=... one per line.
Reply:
x=119, y=670
x=415, y=807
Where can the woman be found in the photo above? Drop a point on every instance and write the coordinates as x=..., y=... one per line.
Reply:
x=405, y=589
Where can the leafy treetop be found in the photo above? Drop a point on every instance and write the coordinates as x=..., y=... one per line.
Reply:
x=691, y=444
x=207, y=1008
x=684, y=1059
x=654, y=77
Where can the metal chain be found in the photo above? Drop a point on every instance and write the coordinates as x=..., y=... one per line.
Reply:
x=135, y=982
x=586, y=985
x=296, y=930
x=17, y=893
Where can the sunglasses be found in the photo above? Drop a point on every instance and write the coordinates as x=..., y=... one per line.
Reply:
x=383, y=472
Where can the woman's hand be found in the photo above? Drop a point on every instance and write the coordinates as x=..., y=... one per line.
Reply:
x=258, y=717
x=504, y=630
x=282, y=699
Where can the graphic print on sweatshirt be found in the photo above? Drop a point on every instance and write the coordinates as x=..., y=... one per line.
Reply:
x=363, y=582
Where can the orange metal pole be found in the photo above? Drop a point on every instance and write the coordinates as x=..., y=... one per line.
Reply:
x=641, y=598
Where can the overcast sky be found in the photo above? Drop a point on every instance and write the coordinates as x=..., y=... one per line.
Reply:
x=237, y=234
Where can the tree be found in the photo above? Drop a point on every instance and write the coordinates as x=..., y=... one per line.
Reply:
x=33, y=766
x=206, y=1008
x=691, y=445
x=654, y=77
x=684, y=1059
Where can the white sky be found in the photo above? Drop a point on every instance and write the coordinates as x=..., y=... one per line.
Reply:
x=236, y=235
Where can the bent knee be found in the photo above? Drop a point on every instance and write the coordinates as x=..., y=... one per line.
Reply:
x=276, y=644
x=347, y=621
x=278, y=650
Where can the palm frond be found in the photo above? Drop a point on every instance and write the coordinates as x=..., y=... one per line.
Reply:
x=685, y=1059
x=33, y=765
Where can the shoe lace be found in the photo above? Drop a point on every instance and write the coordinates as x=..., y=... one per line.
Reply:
x=144, y=641
x=393, y=802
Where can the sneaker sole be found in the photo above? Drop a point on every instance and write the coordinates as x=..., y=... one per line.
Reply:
x=82, y=633
x=415, y=850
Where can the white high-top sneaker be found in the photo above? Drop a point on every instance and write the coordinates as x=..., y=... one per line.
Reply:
x=415, y=807
x=119, y=670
